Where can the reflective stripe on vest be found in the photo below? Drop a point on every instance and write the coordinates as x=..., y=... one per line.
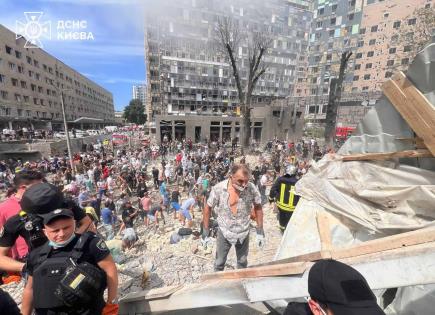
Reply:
x=286, y=206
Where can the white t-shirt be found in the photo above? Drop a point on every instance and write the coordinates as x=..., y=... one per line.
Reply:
x=263, y=180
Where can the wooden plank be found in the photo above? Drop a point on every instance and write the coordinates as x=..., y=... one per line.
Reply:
x=398, y=99
x=324, y=229
x=416, y=98
x=387, y=243
x=414, y=107
x=388, y=155
x=264, y=271
x=281, y=268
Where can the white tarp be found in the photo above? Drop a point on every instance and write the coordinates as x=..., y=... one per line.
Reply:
x=366, y=200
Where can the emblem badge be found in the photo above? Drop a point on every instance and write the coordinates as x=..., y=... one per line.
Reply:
x=28, y=226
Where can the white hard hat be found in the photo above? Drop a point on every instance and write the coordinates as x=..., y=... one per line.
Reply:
x=290, y=170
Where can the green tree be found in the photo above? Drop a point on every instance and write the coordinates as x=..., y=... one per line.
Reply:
x=135, y=112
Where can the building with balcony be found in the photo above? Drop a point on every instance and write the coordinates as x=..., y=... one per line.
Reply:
x=187, y=75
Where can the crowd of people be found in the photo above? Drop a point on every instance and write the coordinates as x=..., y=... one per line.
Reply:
x=55, y=211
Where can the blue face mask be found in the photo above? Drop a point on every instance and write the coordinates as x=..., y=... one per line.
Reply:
x=62, y=244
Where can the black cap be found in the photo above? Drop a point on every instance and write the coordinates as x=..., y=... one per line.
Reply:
x=41, y=198
x=343, y=289
x=55, y=214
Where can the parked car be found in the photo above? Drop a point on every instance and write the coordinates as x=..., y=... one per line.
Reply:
x=93, y=132
x=59, y=134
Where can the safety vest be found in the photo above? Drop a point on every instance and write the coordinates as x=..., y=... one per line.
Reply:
x=53, y=274
x=286, y=198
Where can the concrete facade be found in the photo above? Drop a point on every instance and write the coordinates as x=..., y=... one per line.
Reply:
x=30, y=84
x=280, y=119
x=36, y=150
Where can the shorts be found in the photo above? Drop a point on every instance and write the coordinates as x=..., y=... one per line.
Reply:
x=151, y=217
x=129, y=235
x=175, y=205
x=186, y=214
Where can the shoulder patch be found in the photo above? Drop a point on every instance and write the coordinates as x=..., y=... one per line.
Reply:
x=2, y=231
x=101, y=245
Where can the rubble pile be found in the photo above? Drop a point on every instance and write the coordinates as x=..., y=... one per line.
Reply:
x=155, y=262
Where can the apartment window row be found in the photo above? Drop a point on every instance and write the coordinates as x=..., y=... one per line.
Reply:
x=396, y=25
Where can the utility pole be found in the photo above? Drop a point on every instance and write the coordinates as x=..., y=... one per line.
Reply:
x=334, y=97
x=65, y=124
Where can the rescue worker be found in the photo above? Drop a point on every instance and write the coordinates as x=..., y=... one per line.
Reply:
x=38, y=198
x=283, y=194
x=69, y=273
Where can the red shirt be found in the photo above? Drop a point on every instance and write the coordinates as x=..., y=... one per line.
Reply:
x=9, y=208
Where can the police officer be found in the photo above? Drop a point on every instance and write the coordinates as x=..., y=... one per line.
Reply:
x=69, y=273
x=283, y=193
x=38, y=198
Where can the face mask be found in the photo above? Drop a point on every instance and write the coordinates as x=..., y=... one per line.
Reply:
x=238, y=187
x=61, y=244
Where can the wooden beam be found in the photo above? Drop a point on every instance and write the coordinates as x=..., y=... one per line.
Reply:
x=413, y=106
x=295, y=268
x=281, y=268
x=324, y=229
x=388, y=155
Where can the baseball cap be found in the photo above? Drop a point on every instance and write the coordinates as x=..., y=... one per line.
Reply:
x=47, y=217
x=343, y=289
x=41, y=198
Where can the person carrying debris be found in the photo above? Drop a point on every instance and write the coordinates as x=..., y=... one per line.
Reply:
x=70, y=272
x=283, y=194
x=232, y=200
x=336, y=289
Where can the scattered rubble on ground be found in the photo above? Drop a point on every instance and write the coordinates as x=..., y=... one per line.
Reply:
x=153, y=262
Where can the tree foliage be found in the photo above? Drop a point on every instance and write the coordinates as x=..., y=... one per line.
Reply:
x=135, y=112
x=418, y=34
x=229, y=39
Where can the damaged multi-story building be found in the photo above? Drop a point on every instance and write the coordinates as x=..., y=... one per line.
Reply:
x=190, y=86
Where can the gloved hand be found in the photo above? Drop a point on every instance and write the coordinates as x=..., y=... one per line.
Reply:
x=205, y=240
x=205, y=232
x=261, y=240
x=110, y=309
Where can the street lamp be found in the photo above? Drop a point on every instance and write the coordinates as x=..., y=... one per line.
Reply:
x=65, y=125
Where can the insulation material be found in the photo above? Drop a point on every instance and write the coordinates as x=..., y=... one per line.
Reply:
x=367, y=200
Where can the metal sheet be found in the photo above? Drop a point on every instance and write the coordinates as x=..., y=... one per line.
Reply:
x=206, y=294
x=381, y=274
x=380, y=128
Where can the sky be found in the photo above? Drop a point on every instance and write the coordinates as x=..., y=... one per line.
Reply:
x=114, y=58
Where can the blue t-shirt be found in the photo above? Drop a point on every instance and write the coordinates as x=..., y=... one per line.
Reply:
x=83, y=196
x=107, y=216
x=188, y=203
